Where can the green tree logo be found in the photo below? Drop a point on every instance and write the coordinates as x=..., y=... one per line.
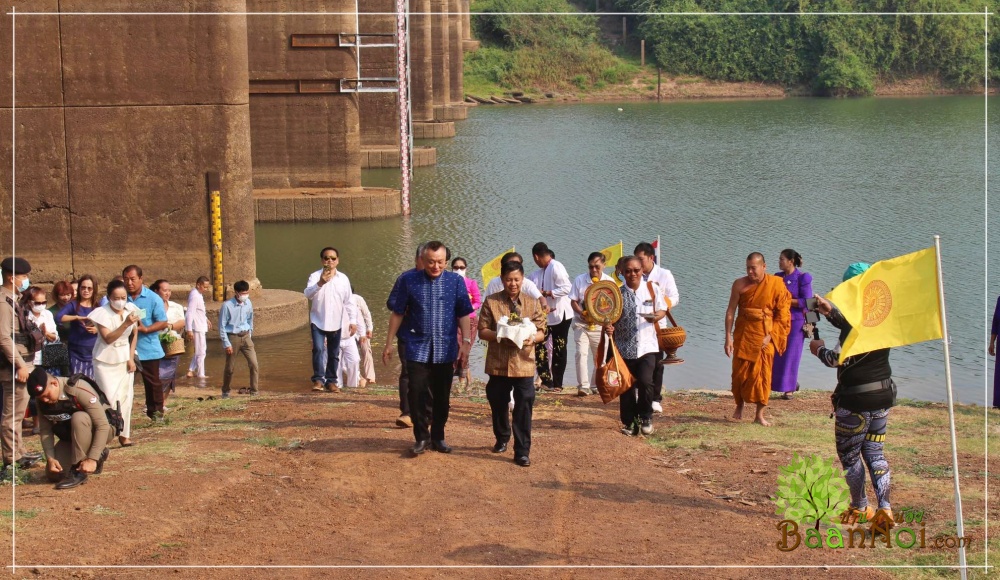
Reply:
x=811, y=490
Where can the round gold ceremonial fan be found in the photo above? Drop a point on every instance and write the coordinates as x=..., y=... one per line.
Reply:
x=603, y=302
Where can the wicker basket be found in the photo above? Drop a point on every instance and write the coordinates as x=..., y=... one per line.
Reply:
x=174, y=348
x=670, y=339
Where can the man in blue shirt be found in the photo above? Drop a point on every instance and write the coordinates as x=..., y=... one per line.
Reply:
x=436, y=303
x=235, y=328
x=149, y=351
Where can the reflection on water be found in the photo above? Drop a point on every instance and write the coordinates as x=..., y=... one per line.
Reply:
x=837, y=180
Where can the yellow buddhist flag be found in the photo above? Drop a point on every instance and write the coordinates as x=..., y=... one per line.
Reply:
x=491, y=269
x=893, y=303
x=611, y=255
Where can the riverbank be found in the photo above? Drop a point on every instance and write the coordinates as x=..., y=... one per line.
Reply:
x=643, y=87
x=327, y=480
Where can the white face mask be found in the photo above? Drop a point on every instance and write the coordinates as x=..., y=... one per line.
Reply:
x=118, y=304
x=241, y=298
x=460, y=272
x=37, y=308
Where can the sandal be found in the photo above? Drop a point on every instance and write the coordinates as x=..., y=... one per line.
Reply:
x=125, y=442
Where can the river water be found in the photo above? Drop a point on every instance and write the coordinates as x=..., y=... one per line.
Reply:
x=837, y=180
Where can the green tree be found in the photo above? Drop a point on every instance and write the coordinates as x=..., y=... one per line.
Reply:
x=811, y=490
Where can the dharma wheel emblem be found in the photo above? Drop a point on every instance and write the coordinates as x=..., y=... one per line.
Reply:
x=877, y=303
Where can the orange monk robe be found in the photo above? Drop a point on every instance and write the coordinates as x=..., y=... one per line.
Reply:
x=763, y=309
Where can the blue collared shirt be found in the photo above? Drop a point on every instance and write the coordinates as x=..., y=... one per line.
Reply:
x=148, y=346
x=433, y=307
x=235, y=317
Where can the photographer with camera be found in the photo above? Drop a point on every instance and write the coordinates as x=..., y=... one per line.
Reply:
x=74, y=410
x=864, y=394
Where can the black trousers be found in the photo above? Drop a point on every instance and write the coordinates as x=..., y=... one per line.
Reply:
x=658, y=379
x=559, y=333
x=628, y=407
x=150, y=370
x=498, y=394
x=430, y=389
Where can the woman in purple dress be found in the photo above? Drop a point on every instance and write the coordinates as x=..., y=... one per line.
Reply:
x=785, y=374
x=993, y=352
x=82, y=332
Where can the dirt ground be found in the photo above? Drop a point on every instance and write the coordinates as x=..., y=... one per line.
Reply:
x=317, y=480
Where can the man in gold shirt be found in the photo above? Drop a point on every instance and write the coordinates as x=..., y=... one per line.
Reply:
x=762, y=327
x=511, y=367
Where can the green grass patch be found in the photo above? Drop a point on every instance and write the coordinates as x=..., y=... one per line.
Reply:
x=275, y=442
x=172, y=544
x=173, y=449
x=21, y=514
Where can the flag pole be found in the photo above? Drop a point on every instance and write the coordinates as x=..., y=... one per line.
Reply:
x=959, y=525
x=658, y=251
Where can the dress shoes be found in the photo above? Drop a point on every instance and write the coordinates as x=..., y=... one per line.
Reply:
x=523, y=461
x=100, y=462
x=318, y=386
x=28, y=459
x=420, y=447
x=441, y=446
x=72, y=480
x=332, y=388
x=499, y=447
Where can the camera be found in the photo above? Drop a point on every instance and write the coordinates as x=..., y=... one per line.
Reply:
x=812, y=317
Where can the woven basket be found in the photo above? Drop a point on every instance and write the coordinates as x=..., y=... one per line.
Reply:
x=174, y=348
x=670, y=339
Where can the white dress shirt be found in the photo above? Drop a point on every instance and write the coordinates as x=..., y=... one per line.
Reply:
x=579, y=290
x=364, y=314
x=553, y=278
x=196, y=320
x=331, y=302
x=645, y=304
x=668, y=288
x=528, y=288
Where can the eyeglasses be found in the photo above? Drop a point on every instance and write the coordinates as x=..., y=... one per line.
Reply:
x=42, y=303
x=458, y=268
x=329, y=258
x=634, y=271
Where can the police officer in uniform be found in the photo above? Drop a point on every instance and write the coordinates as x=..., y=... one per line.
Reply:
x=15, y=364
x=71, y=409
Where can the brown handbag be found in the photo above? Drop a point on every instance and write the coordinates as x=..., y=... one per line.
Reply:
x=613, y=377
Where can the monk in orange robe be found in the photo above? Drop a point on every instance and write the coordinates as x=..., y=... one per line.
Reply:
x=762, y=327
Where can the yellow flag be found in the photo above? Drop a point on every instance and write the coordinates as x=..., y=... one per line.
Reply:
x=893, y=303
x=491, y=269
x=611, y=255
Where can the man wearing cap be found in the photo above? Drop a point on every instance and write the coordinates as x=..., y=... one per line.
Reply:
x=16, y=364
x=76, y=415
x=865, y=392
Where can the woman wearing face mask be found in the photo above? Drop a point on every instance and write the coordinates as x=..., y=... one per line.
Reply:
x=114, y=352
x=82, y=333
x=459, y=266
x=175, y=327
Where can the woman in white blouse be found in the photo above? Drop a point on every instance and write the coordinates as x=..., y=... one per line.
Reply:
x=114, y=352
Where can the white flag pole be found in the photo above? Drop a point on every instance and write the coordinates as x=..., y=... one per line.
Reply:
x=960, y=527
x=658, y=263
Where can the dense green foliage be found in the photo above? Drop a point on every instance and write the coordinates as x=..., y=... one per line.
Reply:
x=838, y=55
x=539, y=52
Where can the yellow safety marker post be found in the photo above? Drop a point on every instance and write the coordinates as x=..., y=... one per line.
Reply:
x=215, y=215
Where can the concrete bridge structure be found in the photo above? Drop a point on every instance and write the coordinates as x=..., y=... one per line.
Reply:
x=119, y=118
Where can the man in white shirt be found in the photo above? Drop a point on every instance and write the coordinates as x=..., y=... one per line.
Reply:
x=668, y=289
x=198, y=325
x=528, y=287
x=586, y=335
x=329, y=292
x=555, y=285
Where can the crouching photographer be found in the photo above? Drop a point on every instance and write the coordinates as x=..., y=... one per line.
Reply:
x=76, y=412
x=865, y=392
